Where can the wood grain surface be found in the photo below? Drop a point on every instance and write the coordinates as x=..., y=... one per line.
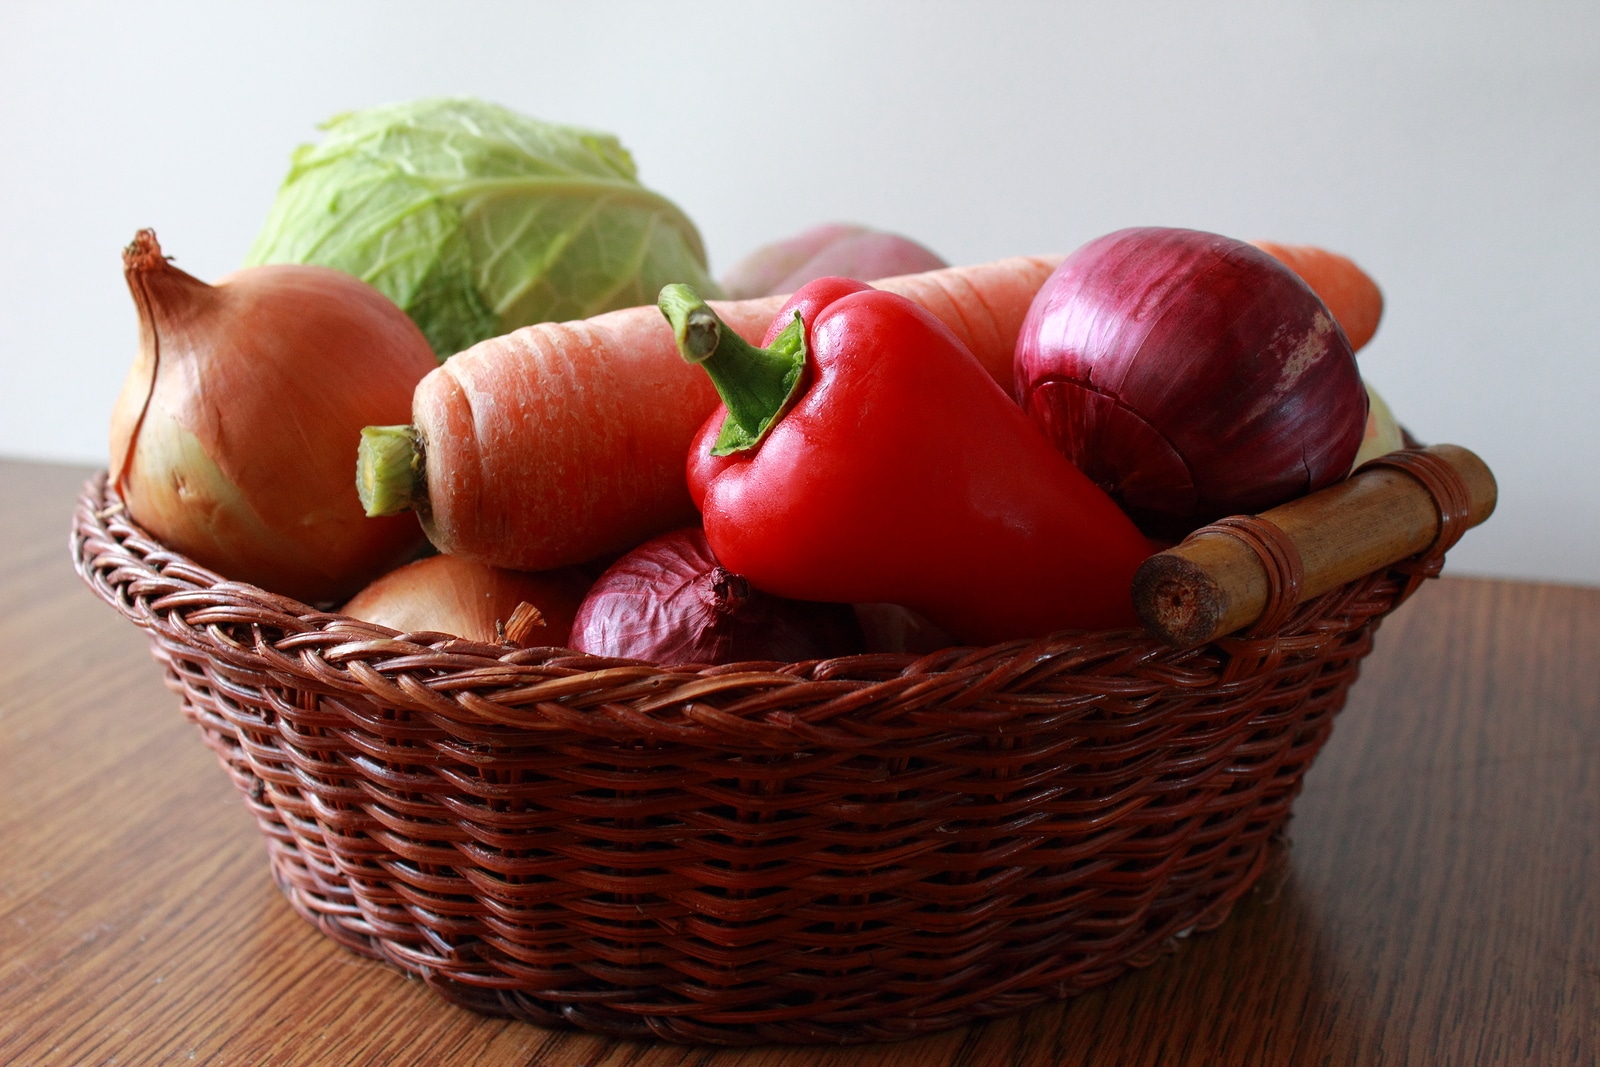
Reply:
x=1438, y=904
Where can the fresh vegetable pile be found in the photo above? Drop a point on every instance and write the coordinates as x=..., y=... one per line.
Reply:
x=611, y=458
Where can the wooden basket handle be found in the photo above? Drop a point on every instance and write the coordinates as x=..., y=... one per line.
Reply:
x=1250, y=571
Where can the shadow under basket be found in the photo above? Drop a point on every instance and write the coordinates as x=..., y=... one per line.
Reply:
x=859, y=849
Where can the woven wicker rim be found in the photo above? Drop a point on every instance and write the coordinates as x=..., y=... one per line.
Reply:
x=744, y=704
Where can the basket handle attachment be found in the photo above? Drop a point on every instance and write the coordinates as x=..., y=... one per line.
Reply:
x=1251, y=571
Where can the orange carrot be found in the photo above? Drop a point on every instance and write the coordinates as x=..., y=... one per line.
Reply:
x=1350, y=293
x=983, y=305
x=561, y=443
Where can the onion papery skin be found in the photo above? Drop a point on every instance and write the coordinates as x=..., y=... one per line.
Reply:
x=463, y=598
x=1190, y=375
x=670, y=602
x=235, y=435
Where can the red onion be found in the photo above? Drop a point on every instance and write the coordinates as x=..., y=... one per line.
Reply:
x=669, y=601
x=1191, y=375
x=832, y=250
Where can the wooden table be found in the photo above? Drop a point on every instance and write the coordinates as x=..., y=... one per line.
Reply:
x=1440, y=903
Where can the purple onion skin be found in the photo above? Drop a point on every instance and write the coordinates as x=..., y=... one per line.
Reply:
x=670, y=602
x=834, y=250
x=1191, y=376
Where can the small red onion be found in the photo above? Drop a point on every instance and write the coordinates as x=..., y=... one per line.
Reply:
x=669, y=601
x=832, y=250
x=1190, y=375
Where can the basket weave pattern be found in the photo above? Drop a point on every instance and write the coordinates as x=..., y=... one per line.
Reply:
x=858, y=849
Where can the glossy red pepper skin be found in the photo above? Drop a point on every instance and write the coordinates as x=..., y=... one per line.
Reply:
x=904, y=474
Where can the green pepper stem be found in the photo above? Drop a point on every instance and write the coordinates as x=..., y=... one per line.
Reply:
x=757, y=385
x=389, y=470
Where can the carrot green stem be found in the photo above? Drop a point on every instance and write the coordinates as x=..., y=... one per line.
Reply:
x=757, y=385
x=389, y=470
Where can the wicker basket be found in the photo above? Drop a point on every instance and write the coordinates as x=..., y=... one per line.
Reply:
x=859, y=849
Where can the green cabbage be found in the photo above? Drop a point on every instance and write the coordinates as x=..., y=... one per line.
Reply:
x=477, y=220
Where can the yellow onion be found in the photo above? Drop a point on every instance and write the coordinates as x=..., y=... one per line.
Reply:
x=235, y=436
x=1383, y=433
x=451, y=595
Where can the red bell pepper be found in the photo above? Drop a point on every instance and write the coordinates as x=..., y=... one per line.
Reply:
x=865, y=455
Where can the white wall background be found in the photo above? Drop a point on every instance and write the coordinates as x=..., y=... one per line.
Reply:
x=1451, y=148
